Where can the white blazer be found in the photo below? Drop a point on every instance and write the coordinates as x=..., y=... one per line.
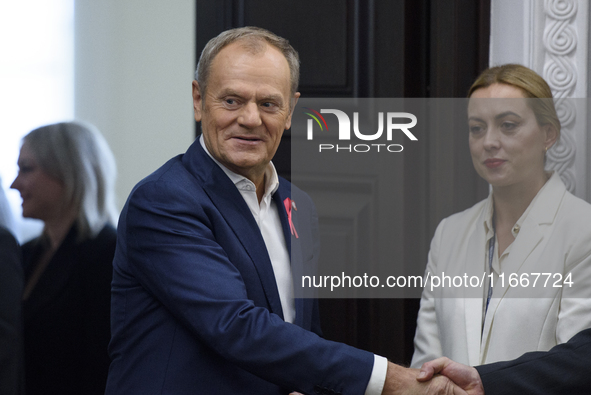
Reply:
x=555, y=237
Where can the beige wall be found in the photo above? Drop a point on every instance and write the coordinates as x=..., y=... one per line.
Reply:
x=134, y=63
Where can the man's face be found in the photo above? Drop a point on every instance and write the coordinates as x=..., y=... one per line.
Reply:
x=245, y=109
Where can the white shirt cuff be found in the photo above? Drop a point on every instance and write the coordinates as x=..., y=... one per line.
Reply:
x=378, y=376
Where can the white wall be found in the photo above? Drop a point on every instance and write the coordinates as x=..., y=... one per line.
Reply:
x=37, y=84
x=134, y=63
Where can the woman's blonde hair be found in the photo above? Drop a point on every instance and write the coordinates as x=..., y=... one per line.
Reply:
x=78, y=155
x=532, y=85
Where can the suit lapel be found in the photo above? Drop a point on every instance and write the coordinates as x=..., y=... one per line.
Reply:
x=529, y=237
x=542, y=213
x=282, y=193
x=227, y=199
x=295, y=254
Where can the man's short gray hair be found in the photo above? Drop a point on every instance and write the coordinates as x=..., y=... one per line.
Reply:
x=79, y=156
x=252, y=38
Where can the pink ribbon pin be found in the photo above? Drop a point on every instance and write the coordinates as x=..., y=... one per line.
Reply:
x=288, y=203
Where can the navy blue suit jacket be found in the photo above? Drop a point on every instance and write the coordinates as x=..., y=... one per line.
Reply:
x=195, y=306
x=562, y=370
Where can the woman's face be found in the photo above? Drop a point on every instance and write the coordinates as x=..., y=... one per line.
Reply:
x=43, y=195
x=506, y=142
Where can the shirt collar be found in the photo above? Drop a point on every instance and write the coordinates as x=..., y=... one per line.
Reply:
x=489, y=210
x=271, y=177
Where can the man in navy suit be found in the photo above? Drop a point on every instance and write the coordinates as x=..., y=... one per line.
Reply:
x=202, y=292
x=562, y=370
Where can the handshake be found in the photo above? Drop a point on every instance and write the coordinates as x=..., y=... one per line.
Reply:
x=441, y=376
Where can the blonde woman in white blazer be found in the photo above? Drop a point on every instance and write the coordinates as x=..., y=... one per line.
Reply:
x=529, y=224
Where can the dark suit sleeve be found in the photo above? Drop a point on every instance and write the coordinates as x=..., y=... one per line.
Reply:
x=11, y=288
x=562, y=370
x=175, y=252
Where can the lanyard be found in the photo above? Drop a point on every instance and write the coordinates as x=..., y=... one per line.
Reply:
x=491, y=251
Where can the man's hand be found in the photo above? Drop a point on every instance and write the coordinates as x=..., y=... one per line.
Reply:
x=400, y=381
x=465, y=377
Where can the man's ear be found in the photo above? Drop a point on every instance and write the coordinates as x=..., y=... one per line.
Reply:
x=197, y=101
x=292, y=104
